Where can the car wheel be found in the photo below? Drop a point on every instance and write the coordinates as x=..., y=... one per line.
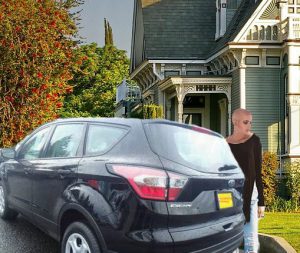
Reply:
x=5, y=212
x=79, y=238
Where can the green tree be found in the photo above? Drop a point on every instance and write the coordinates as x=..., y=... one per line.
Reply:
x=108, y=33
x=36, y=62
x=94, y=83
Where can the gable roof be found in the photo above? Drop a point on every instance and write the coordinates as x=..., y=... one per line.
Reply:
x=177, y=29
x=185, y=30
x=242, y=15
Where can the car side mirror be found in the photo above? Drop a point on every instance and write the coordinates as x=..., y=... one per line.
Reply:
x=7, y=153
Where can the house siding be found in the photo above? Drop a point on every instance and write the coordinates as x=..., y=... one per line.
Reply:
x=263, y=100
x=235, y=90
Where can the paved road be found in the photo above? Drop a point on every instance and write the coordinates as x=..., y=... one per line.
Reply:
x=20, y=236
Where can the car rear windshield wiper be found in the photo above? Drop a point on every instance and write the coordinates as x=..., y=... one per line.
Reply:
x=227, y=167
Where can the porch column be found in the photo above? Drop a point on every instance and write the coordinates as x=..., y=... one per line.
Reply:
x=180, y=110
x=243, y=80
x=168, y=109
x=222, y=106
x=180, y=97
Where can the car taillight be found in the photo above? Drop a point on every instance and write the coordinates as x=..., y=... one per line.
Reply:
x=150, y=183
x=176, y=184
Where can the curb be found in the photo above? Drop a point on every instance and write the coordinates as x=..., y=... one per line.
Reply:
x=274, y=244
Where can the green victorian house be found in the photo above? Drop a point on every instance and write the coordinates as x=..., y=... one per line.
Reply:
x=202, y=59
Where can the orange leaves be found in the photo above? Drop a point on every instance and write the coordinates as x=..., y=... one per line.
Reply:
x=39, y=75
x=9, y=99
x=52, y=24
x=36, y=55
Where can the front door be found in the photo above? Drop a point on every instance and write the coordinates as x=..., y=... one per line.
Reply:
x=55, y=172
x=196, y=110
x=19, y=171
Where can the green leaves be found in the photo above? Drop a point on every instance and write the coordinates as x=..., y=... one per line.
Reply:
x=95, y=82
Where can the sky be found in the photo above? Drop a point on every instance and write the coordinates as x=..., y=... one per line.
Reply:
x=117, y=12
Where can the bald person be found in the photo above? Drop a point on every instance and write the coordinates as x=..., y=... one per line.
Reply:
x=246, y=148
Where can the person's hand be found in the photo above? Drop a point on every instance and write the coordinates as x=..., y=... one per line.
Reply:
x=261, y=211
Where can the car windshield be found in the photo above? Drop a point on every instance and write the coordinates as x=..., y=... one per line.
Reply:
x=203, y=151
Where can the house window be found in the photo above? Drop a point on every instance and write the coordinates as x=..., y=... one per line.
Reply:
x=193, y=73
x=273, y=60
x=291, y=9
x=252, y=60
x=286, y=116
x=172, y=73
x=294, y=6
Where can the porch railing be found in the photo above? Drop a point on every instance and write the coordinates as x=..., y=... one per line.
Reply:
x=290, y=28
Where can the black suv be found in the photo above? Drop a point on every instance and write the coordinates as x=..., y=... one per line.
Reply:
x=126, y=186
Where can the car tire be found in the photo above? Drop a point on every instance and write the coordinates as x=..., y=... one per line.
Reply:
x=5, y=212
x=78, y=237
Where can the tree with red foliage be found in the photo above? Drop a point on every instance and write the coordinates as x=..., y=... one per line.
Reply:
x=36, y=61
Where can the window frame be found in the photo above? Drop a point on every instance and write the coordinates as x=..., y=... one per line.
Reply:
x=252, y=57
x=84, y=154
x=293, y=7
x=273, y=57
x=166, y=75
x=193, y=73
x=79, y=152
x=21, y=148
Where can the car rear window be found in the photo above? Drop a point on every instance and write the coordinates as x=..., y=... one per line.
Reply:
x=101, y=138
x=203, y=151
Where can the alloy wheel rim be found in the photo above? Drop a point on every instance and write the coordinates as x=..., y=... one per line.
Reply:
x=2, y=203
x=76, y=243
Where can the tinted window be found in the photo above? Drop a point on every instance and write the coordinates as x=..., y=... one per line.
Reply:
x=101, y=138
x=201, y=151
x=33, y=147
x=65, y=140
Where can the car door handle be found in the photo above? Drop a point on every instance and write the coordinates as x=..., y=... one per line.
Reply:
x=65, y=173
x=27, y=170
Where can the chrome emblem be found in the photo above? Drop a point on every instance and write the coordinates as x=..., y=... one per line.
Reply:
x=231, y=183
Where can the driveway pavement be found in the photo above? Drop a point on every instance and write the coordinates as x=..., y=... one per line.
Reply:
x=20, y=236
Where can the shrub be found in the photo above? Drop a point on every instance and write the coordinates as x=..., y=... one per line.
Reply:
x=282, y=205
x=153, y=111
x=269, y=168
x=148, y=112
x=293, y=180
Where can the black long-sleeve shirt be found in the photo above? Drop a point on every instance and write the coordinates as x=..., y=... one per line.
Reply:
x=248, y=156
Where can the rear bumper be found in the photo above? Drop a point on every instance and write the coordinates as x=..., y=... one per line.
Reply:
x=222, y=237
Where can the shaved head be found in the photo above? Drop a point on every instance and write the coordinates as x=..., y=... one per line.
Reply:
x=238, y=113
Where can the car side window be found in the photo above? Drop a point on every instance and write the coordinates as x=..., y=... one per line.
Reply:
x=101, y=138
x=33, y=147
x=65, y=140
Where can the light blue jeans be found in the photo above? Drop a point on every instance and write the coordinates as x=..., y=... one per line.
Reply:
x=251, y=243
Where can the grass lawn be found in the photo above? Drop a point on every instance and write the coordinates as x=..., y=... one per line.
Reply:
x=285, y=225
